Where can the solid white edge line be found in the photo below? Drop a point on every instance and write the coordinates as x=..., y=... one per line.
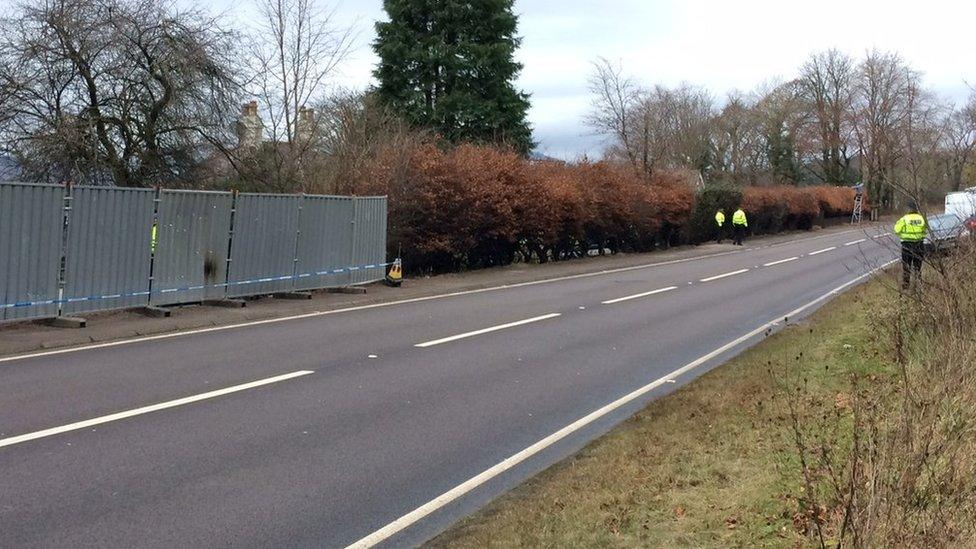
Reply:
x=830, y=249
x=855, y=242
x=147, y=409
x=440, y=501
x=399, y=302
x=636, y=296
x=716, y=277
x=781, y=261
x=487, y=330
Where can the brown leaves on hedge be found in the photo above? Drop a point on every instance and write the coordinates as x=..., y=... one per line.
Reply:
x=772, y=209
x=476, y=206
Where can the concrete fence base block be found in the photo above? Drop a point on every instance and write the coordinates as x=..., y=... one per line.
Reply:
x=154, y=312
x=67, y=322
x=293, y=295
x=347, y=290
x=226, y=303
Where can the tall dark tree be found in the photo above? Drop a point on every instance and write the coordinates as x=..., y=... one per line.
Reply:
x=449, y=65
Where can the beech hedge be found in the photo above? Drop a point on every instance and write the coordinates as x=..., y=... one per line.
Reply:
x=473, y=207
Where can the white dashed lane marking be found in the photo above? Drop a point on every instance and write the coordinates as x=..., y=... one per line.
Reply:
x=716, y=277
x=823, y=250
x=486, y=330
x=781, y=261
x=637, y=296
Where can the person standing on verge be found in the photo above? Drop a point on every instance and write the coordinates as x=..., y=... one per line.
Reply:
x=739, y=225
x=911, y=230
x=720, y=221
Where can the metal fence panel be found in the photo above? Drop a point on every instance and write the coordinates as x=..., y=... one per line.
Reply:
x=31, y=223
x=191, y=250
x=108, y=247
x=324, y=241
x=263, y=246
x=369, y=240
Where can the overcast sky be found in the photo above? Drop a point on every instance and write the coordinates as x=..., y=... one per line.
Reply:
x=720, y=44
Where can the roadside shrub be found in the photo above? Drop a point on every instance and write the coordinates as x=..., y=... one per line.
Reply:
x=702, y=225
x=475, y=206
x=836, y=201
x=766, y=209
x=673, y=202
x=801, y=207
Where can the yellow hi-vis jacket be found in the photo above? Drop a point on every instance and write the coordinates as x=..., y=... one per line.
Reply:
x=739, y=218
x=911, y=228
x=720, y=218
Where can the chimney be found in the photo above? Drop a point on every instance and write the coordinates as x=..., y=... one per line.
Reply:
x=305, y=129
x=250, y=127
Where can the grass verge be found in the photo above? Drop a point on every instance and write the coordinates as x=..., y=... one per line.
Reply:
x=713, y=464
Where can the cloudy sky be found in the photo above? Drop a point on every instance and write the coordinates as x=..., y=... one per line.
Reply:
x=719, y=44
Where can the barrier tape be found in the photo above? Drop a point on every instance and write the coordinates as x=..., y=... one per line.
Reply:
x=325, y=272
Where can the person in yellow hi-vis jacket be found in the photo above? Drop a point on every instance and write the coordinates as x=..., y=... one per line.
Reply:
x=739, y=225
x=720, y=221
x=911, y=230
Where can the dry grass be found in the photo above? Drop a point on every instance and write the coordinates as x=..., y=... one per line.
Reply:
x=857, y=428
x=713, y=464
x=893, y=466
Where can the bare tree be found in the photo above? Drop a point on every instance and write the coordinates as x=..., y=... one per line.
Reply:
x=959, y=142
x=880, y=113
x=686, y=114
x=782, y=114
x=838, y=120
x=353, y=129
x=297, y=46
x=738, y=140
x=617, y=100
x=659, y=127
x=827, y=80
x=922, y=138
x=131, y=92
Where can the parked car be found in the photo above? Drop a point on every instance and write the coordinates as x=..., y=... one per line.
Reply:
x=945, y=232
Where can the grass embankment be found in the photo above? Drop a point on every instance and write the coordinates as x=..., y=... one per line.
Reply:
x=713, y=464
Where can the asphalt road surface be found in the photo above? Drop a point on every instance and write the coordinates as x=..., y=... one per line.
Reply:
x=380, y=424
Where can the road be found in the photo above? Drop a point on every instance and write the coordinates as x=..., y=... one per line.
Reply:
x=379, y=424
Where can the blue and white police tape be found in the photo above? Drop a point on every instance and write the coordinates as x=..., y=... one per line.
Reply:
x=325, y=272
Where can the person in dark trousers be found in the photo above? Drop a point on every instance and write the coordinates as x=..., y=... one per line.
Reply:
x=739, y=226
x=720, y=221
x=911, y=230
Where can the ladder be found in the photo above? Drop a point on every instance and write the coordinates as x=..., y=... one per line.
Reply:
x=856, y=215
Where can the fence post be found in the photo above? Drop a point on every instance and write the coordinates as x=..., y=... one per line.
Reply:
x=298, y=238
x=153, y=242
x=230, y=240
x=65, y=222
x=355, y=238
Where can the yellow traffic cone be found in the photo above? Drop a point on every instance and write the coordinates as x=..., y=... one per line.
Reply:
x=395, y=276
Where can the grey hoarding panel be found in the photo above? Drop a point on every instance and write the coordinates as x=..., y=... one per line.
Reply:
x=369, y=239
x=191, y=249
x=31, y=229
x=108, y=247
x=324, y=241
x=265, y=230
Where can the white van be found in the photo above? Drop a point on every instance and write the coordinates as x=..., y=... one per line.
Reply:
x=962, y=203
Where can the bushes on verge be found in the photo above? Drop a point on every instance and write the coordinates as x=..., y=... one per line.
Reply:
x=473, y=207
